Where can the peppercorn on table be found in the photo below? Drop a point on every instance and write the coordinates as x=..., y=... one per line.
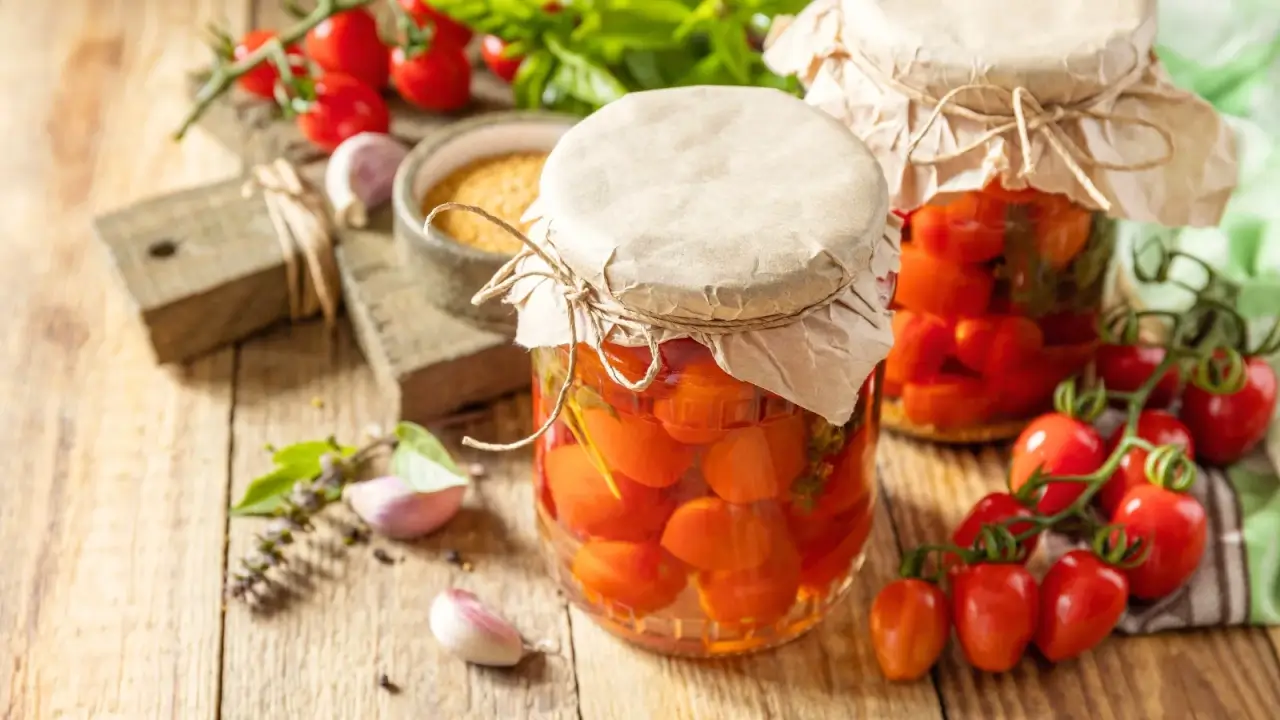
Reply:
x=115, y=524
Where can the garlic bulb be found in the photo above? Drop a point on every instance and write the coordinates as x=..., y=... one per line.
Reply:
x=393, y=509
x=473, y=632
x=360, y=175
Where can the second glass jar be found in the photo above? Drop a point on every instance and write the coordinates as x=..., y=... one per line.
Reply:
x=997, y=301
x=703, y=516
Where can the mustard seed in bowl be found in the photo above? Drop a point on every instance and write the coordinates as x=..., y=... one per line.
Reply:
x=505, y=185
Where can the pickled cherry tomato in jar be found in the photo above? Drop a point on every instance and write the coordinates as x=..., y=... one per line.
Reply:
x=707, y=313
x=996, y=303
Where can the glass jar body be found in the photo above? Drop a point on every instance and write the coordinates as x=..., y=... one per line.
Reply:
x=997, y=301
x=703, y=516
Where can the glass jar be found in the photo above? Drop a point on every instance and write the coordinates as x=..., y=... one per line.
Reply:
x=703, y=516
x=997, y=301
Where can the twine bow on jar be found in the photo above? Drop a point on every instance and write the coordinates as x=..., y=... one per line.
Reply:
x=301, y=222
x=604, y=312
x=1029, y=117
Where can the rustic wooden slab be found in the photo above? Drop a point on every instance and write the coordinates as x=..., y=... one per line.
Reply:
x=428, y=363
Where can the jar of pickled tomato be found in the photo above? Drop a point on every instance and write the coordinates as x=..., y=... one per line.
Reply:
x=997, y=301
x=707, y=308
x=1010, y=134
x=703, y=516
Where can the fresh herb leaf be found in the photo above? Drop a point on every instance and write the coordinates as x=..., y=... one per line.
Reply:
x=583, y=78
x=266, y=493
x=308, y=454
x=531, y=79
x=423, y=462
x=729, y=43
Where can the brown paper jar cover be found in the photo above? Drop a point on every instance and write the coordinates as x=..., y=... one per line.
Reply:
x=742, y=218
x=1093, y=95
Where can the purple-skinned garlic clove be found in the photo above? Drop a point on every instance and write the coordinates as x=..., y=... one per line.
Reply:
x=360, y=175
x=393, y=509
x=473, y=632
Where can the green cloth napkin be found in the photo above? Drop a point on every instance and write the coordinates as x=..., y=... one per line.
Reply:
x=1229, y=53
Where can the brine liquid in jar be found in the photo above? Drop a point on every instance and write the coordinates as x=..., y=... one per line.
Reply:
x=703, y=516
x=997, y=301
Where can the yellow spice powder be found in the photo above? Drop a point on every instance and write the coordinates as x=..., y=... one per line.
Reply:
x=505, y=185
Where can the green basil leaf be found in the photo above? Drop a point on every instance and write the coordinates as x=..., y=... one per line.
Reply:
x=266, y=493
x=709, y=70
x=531, y=79
x=706, y=11
x=664, y=11
x=643, y=67
x=582, y=77
x=423, y=462
x=308, y=454
x=729, y=41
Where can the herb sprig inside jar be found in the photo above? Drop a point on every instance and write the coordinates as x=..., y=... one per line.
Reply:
x=1010, y=133
x=702, y=294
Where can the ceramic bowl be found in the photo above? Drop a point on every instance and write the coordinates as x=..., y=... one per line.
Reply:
x=450, y=272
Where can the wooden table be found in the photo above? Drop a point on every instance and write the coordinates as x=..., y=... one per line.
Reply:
x=118, y=474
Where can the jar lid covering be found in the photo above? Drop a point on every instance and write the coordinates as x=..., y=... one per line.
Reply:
x=1066, y=97
x=742, y=218
x=714, y=203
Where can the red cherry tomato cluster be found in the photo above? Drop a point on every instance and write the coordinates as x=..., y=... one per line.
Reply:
x=1221, y=427
x=350, y=65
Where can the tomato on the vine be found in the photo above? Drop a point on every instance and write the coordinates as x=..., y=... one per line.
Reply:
x=990, y=510
x=343, y=107
x=493, y=50
x=349, y=43
x=1081, y=600
x=995, y=608
x=447, y=30
x=1124, y=368
x=1228, y=426
x=909, y=628
x=436, y=79
x=1174, y=528
x=1156, y=427
x=1057, y=445
x=261, y=80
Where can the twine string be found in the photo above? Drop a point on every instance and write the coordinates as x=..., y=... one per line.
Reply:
x=1029, y=118
x=302, y=227
x=604, y=313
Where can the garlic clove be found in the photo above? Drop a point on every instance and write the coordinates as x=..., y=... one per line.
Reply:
x=393, y=509
x=473, y=632
x=360, y=174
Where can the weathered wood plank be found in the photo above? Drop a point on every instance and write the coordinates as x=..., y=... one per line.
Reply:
x=831, y=672
x=320, y=656
x=1221, y=673
x=112, y=517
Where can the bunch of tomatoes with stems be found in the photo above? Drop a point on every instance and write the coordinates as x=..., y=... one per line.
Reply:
x=1146, y=534
x=427, y=66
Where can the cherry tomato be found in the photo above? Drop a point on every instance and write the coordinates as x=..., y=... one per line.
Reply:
x=1081, y=600
x=1058, y=445
x=990, y=510
x=1228, y=426
x=909, y=628
x=969, y=229
x=437, y=79
x=1174, y=526
x=1069, y=327
x=927, y=283
x=447, y=30
x=1061, y=230
x=921, y=344
x=349, y=43
x=994, y=345
x=1012, y=197
x=261, y=80
x=1155, y=426
x=343, y=107
x=1126, y=367
x=493, y=51
x=994, y=607
x=948, y=402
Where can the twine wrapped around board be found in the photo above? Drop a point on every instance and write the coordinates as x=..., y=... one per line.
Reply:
x=301, y=221
x=601, y=307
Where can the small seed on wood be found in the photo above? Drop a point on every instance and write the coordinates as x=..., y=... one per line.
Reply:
x=453, y=557
x=385, y=683
x=381, y=556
